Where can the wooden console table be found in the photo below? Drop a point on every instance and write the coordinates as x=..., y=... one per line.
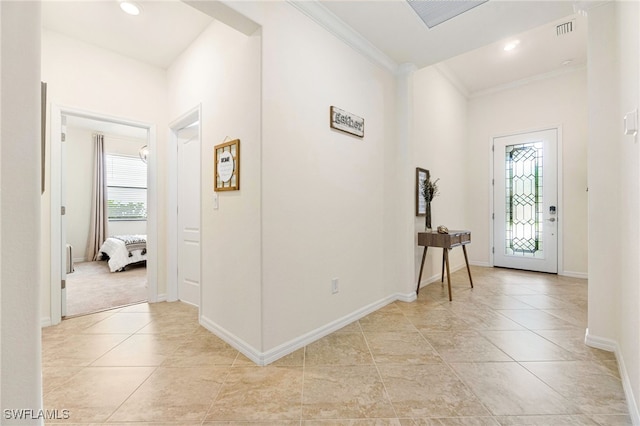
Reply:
x=447, y=242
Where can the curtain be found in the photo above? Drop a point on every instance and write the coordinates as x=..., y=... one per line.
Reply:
x=99, y=218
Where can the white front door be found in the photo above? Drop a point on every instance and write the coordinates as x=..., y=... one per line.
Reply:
x=525, y=201
x=189, y=214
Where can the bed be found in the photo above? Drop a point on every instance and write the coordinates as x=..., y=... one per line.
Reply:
x=123, y=250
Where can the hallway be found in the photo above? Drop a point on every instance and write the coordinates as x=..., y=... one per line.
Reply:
x=508, y=352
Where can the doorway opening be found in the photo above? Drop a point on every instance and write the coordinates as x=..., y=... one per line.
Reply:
x=80, y=285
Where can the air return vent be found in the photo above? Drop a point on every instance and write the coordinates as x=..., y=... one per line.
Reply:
x=564, y=28
x=434, y=12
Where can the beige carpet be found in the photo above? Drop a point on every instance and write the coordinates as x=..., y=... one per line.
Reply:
x=92, y=288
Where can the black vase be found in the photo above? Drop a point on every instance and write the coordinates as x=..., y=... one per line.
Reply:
x=427, y=217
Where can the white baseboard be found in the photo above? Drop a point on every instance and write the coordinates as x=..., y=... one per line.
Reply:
x=45, y=322
x=162, y=297
x=612, y=346
x=265, y=358
x=79, y=259
x=243, y=347
x=483, y=264
x=572, y=274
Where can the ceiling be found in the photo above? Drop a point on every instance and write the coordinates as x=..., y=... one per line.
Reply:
x=157, y=36
x=468, y=48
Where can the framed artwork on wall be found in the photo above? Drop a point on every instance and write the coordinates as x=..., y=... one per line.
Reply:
x=226, y=166
x=421, y=203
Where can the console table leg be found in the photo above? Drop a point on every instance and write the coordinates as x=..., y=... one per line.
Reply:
x=466, y=259
x=446, y=257
x=424, y=255
x=442, y=275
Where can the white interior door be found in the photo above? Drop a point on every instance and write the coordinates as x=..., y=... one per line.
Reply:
x=525, y=201
x=189, y=214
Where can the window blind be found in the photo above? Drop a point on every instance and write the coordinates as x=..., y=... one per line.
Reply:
x=126, y=187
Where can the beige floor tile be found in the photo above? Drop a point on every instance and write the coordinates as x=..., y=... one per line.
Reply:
x=458, y=421
x=572, y=340
x=575, y=316
x=588, y=384
x=488, y=320
x=344, y=392
x=120, y=323
x=543, y=301
x=173, y=394
x=534, y=319
x=251, y=423
x=429, y=390
x=79, y=350
x=335, y=381
x=358, y=422
x=504, y=301
x=54, y=377
x=201, y=350
x=181, y=324
x=578, y=420
x=525, y=345
x=389, y=318
x=96, y=392
x=464, y=346
x=401, y=347
x=338, y=349
x=354, y=327
x=437, y=320
x=73, y=325
x=141, y=350
x=259, y=394
x=612, y=420
x=507, y=388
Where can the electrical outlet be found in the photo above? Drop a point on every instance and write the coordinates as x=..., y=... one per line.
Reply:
x=334, y=286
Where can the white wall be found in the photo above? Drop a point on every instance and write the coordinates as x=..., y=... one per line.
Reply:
x=79, y=171
x=20, y=347
x=221, y=72
x=439, y=144
x=81, y=76
x=323, y=191
x=557, y=101
x=614, y=195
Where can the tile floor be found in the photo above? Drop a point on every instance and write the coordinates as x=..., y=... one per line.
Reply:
x=509, y=352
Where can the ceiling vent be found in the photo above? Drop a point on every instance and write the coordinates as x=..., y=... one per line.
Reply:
x=564, y=29
x=434, y=12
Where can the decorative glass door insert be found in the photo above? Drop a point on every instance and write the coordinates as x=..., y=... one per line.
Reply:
x=523, y=203
x=525, y=196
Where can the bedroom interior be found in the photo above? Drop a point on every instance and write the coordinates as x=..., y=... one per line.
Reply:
x=117, y=277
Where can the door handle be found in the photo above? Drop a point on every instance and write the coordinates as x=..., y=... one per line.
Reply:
x=552, y=219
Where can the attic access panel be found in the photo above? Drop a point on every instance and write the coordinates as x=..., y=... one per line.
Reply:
x=434, y=12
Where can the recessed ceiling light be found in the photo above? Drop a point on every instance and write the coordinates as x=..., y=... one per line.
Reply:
x=511, y=45
x=130, y=8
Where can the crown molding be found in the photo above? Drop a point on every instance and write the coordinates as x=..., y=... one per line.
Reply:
x=330, y=22
x=528, y=80
x=445, y=71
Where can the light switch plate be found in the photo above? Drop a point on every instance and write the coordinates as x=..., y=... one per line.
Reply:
x=631, y=123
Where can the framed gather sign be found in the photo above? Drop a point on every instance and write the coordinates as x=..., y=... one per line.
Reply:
x=226, y=166
x=346, y=122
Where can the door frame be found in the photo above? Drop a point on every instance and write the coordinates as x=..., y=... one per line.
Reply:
x=57, y=111
x=560, y=204
x=190, y=117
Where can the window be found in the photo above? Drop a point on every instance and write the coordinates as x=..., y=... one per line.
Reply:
x=126, y=187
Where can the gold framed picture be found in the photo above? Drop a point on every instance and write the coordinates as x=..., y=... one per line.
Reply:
x=226, y=166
